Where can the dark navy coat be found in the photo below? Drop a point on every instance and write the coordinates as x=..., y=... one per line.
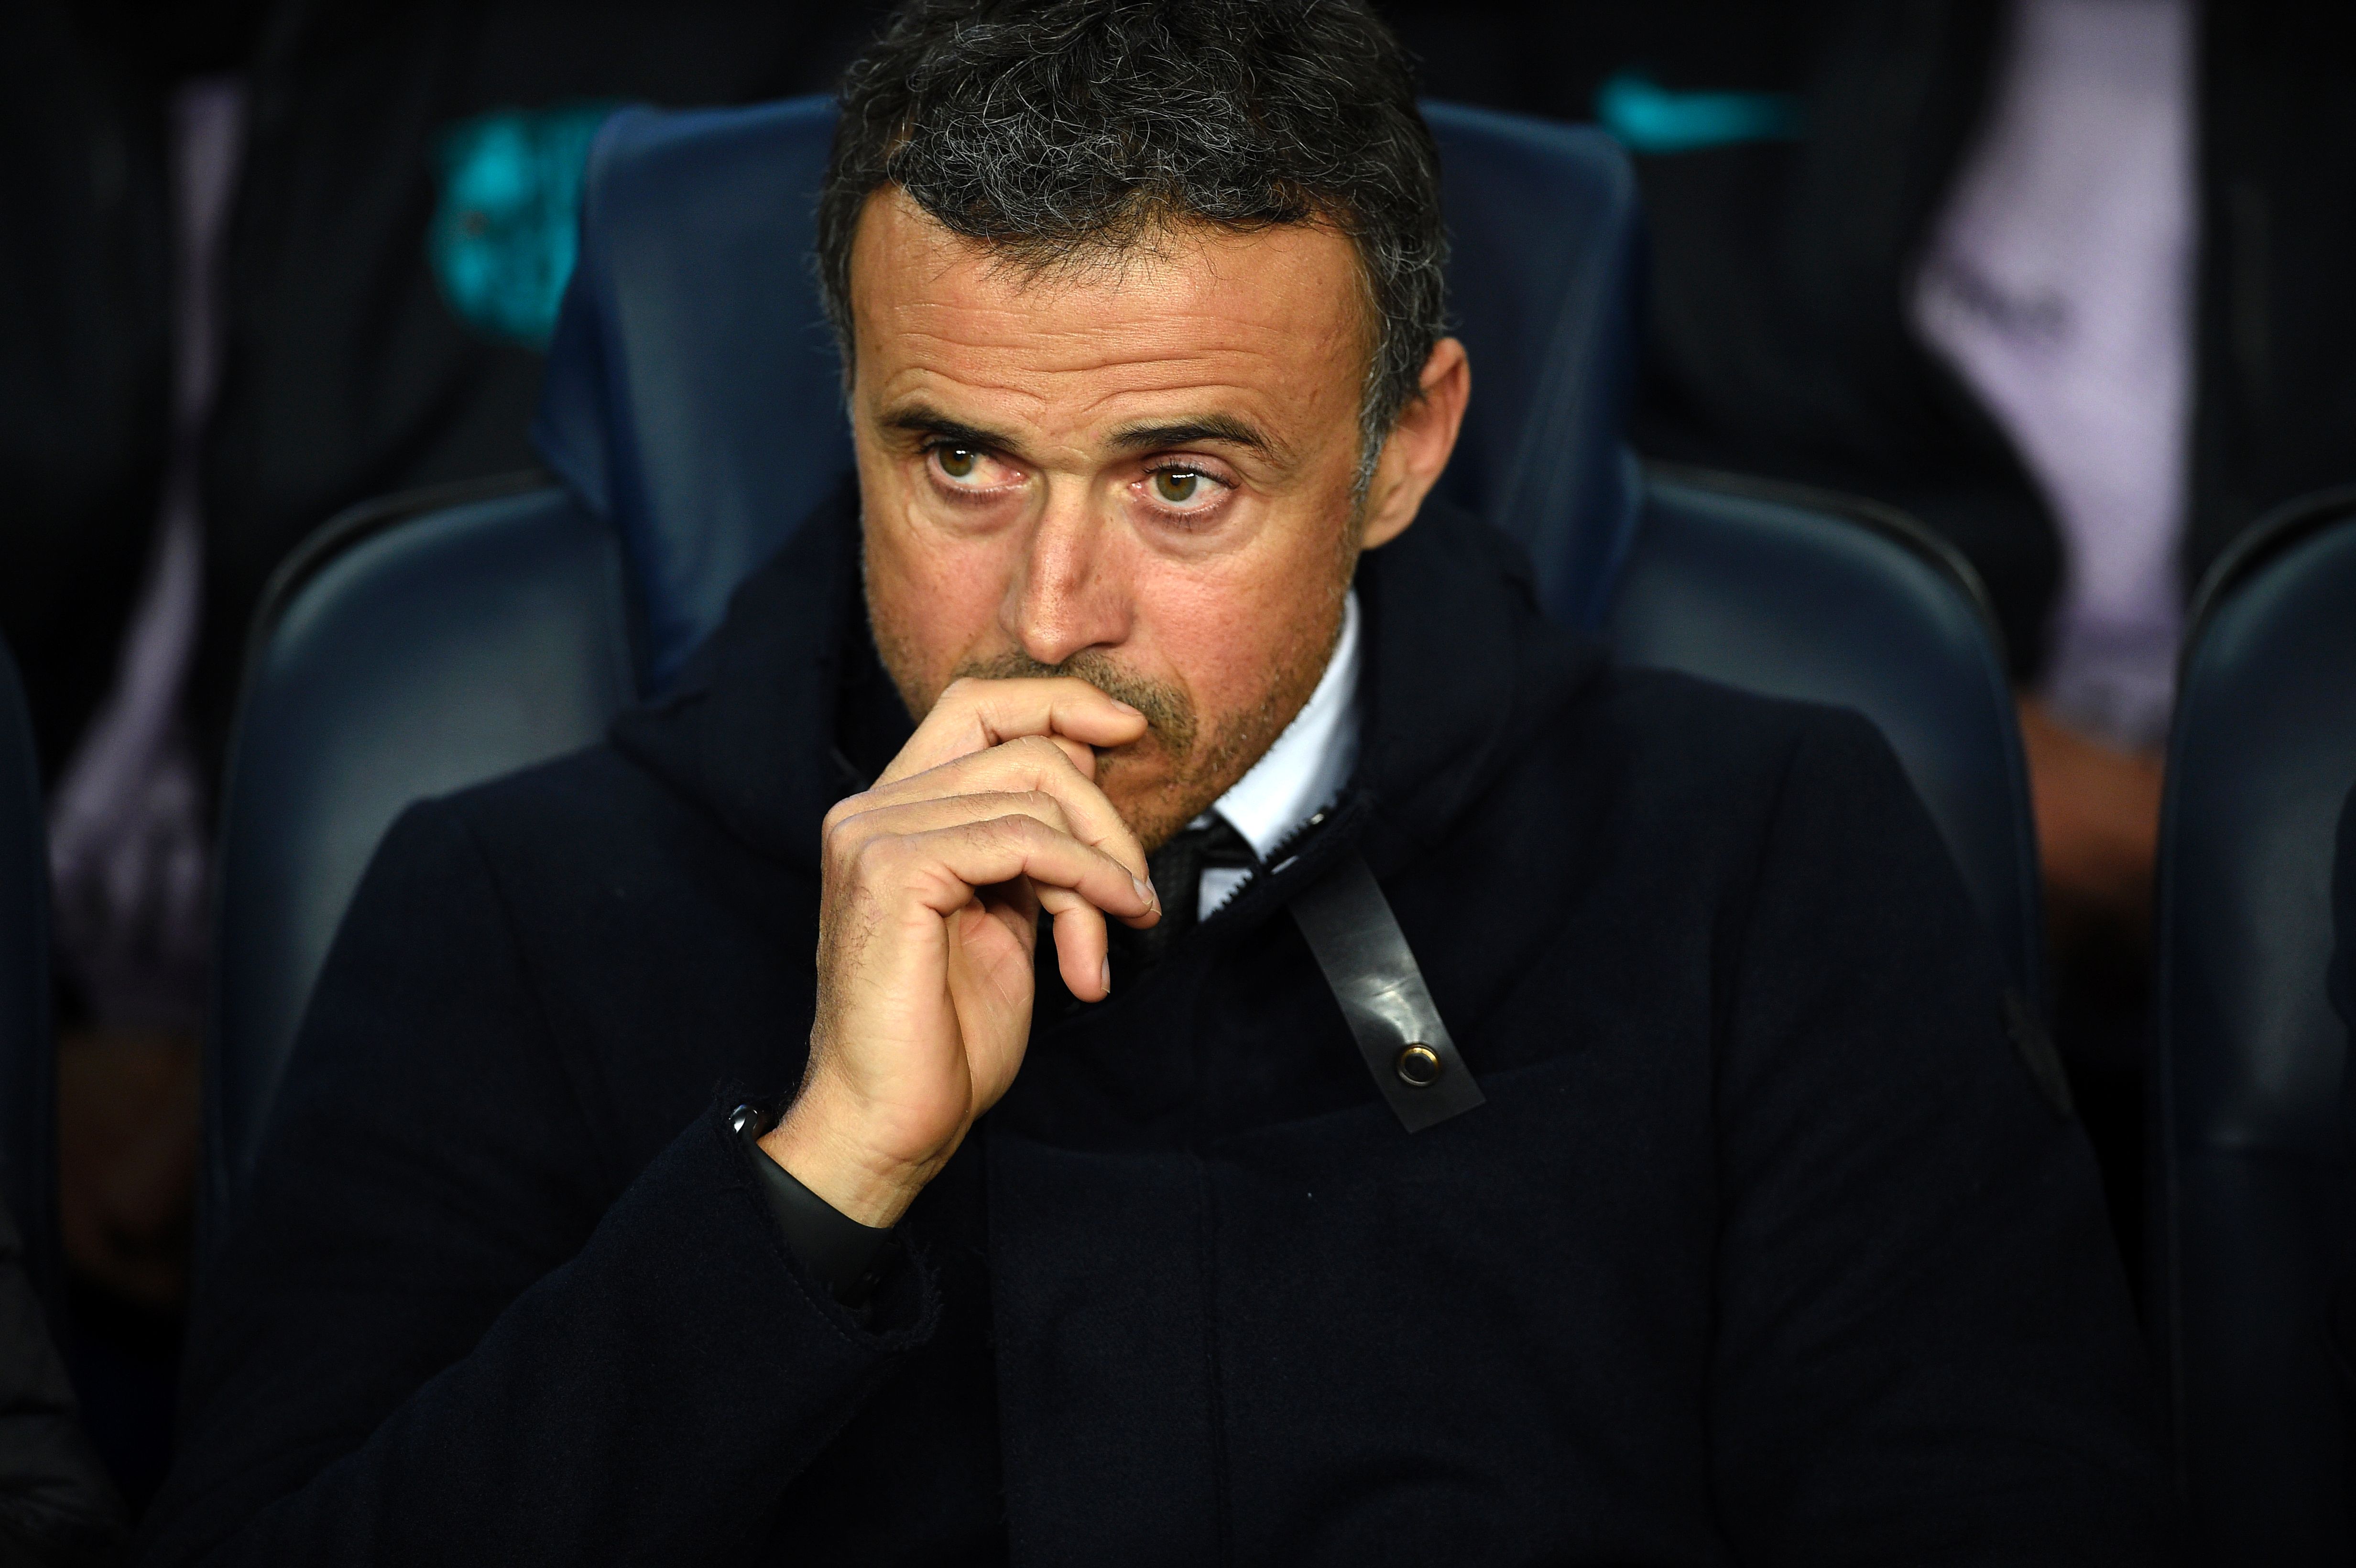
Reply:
x=1764, y=1248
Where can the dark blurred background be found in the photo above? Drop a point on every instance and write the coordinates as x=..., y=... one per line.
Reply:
x=263, y=261
x=2062, y=278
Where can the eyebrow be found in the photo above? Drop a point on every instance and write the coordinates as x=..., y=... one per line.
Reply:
x=923, y=419
x=1225, y=428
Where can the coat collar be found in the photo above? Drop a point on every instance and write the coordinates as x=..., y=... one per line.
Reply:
x=1459, y=665
x=750, y=732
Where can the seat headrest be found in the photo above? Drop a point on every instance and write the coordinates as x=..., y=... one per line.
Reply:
x=694, y=394
x=1544, y=227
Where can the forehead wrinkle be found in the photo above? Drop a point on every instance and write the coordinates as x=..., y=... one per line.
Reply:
x=1058, y=344
x=1179, y=388
x=1141, y=348
x=1084, y=310
x=1194, y=261
x=1163, y=340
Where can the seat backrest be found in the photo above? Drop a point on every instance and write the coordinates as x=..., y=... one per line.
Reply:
x=692, y=412
x=694, y=394
x=28, y=1049
x=1544, y=223
x=412, y=647
x=1799, y=594
x=2251, y=1224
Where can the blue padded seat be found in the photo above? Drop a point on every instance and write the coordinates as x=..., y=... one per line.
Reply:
x=2252, y=1224
x=692, y=414
x=1796, y=592
x=412, y=647
x=28, y=1089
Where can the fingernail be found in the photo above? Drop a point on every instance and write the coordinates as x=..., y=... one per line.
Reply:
x=1104, y=974
x=1125, y=708
x=1145, y=890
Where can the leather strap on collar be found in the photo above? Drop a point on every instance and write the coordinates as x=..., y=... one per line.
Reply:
x=1375, y=977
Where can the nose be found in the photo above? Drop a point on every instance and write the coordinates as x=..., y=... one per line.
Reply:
x=1071, y=591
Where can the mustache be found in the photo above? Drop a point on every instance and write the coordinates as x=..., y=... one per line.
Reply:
x=1167, y=710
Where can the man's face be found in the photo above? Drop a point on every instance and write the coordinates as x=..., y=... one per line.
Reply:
x=1139, y=471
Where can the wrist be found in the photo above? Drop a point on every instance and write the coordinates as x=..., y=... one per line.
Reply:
x=858, y=1180
x=846, y=1257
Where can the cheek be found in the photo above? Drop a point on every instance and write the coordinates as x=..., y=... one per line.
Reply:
x=935, y=600
x=1235, y=640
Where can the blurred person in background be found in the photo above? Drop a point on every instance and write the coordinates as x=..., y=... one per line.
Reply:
x=2065, y=279
x=115, y=190
x=264, y=260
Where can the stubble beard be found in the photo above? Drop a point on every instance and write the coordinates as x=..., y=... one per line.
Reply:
x=1202, y=764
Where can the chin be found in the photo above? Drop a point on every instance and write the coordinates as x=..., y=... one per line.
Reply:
x=1154, y=815
x=1155, y=805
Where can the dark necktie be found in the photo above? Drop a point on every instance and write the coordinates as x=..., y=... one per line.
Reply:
x=1177, y=868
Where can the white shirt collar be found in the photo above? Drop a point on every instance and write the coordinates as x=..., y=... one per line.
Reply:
x=1304, y=771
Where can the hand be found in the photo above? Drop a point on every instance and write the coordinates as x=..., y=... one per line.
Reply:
x=127, y=1138
x=934, y=882
x=2097, y=825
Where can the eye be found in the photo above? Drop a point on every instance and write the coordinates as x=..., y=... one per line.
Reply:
x=1176, y=486
x=972, y=472
x=1183, y=489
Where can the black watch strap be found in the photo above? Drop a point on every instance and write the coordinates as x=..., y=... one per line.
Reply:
x=848, y=1256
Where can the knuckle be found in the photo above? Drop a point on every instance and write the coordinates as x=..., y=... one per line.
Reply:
x=838, y=816
x=1018, y=829
x=850, y=828
x=872, y=860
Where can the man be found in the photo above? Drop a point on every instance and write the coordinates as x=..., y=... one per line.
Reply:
x=1071, y=1225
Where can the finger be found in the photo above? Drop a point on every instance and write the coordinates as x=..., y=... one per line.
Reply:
x=1015, y=905
x=869, y=817
x=945, y=866
x=975, y=715
x=847, y=835
x=1083, y=943
x=1030, y=766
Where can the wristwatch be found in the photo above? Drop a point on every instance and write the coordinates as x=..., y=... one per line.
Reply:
x=848, y=1257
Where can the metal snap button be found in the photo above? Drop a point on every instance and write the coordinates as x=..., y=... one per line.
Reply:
x=1418, y=1066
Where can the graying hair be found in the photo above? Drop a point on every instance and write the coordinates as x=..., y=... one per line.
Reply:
x=1064, y=131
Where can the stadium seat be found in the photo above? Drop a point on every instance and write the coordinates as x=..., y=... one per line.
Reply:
x=1801, y=593
x=412, y=647
x=692, y=417
x=28, y=1049
x=2251, y=1223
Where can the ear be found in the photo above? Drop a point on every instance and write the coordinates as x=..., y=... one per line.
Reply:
x=1419, y=444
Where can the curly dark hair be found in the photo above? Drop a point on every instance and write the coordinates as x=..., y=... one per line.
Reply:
x=1061, y=130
